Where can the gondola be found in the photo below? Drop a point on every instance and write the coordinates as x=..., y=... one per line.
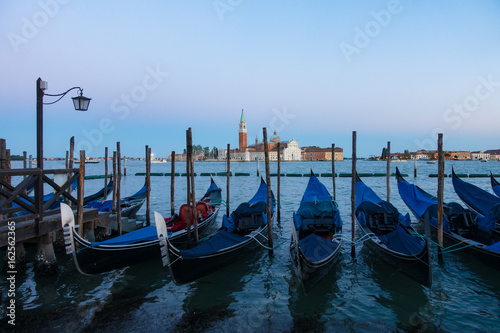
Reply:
x=241, y=232
x=462, y=228
x=313, y=249
x=391, y=235
x=134, y=247
x=495, y=185
x=129, y=205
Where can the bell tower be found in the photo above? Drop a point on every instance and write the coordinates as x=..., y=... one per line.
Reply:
x=242, y=132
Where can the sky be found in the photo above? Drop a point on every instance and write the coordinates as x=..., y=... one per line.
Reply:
x=399, y=71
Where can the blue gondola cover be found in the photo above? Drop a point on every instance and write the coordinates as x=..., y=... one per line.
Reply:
x=221, y=240
x=316, y=248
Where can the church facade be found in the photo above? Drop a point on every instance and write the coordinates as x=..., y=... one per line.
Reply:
x=289, y=150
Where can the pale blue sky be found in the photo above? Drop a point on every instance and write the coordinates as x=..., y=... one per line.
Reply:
x=397, y=71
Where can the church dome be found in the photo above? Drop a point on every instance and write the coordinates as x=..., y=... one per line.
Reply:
x=275, y=138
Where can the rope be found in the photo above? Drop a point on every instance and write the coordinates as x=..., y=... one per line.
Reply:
x=450, y=248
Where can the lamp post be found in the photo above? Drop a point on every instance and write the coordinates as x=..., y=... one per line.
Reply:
x=81, y=103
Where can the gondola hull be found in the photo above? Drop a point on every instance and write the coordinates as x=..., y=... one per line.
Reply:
x=311, y=272
x=417, y=266
x=475, y=244
x=99, y=259
x=185, y=271
x=486, y=256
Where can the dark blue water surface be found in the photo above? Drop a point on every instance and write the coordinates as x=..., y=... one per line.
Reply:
x=261, y=293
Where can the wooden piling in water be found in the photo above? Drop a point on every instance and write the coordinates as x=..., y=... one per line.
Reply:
x=279, y=171
x=440, y=195
x=269, y=203
x=113, y=203
x=415, y=166
x=258, y=171
x=188, y=189
x=333, y=172
x=5, y=164
x=71, y=162
x=172, y=187
x=118, y=188
x=353, y=196
x=193, y=195
x=388, y=175
x=148, y=186
x=227, y=181
x=79, y=198
x=105, y=172
x=124, y=165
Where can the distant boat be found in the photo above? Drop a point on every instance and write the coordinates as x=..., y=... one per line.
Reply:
x=88, y=161
x=159, y=160
x=431, y=162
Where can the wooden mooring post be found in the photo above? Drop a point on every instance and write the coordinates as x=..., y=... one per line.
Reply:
x=172, y=185
x=353, y=196
x=105, y=172
x=415, y=165
x=279, y=183
x=148, y=186
x=269, y=202
x=193, y=195
x=228, y=174
x=388, y=172
x=188, y=188
x=113, y=203
x=333, y=172
x=440, y=195
x=118, y=189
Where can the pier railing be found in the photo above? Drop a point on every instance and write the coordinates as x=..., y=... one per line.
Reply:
x=33, y=208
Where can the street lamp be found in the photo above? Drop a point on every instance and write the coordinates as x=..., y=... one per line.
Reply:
x=81, y=103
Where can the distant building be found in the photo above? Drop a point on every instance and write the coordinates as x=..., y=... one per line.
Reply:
x=242, y=133
x=289, y=150
x=292, y=152
x=494, y=154
x=480, y=155
x=321, y=154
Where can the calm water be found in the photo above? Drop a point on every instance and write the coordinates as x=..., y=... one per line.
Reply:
x=261, y=293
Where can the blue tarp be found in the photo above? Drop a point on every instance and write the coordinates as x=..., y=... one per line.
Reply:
x=316, y=248
x=316, y=202
x=253, y=205
x=221, y=240
x=489, y=222
x=475, y=197
x=420, y=201
x=400, y=241
x=365, y=194
x=416, y=198
x=495, y=247
x=496, y=189
x=141, y=235
x=213, y=187
x=261, y=196
x=315, y=191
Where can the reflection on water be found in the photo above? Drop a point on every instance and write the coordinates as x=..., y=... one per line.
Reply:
x=260, y=293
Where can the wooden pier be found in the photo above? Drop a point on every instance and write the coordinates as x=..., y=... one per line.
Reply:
x=34, y=220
